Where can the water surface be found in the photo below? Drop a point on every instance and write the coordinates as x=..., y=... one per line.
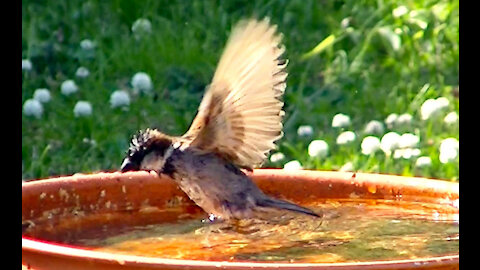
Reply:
x=351, y=230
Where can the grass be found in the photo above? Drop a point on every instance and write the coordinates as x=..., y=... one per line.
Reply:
x=351, y=57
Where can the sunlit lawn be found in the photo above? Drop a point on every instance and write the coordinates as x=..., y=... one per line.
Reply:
x=364, y=59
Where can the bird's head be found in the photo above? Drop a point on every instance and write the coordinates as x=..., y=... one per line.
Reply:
x=147, y=151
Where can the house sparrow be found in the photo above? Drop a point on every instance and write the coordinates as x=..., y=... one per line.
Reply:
x=237, y=123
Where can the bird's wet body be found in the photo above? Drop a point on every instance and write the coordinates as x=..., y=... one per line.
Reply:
x=226, y=193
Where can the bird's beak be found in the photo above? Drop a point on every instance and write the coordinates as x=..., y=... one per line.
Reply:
x=128, y=165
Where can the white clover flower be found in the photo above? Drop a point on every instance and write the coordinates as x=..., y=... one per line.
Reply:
x=119, y=98
x=374, y=127
x=68, y=87
x=346, y=137
x=345, y=22
x=26, y=65
x=432, y=107
x=82, y=108
x=370, y=145
x=82, y=72
x=398, y=153
x=347, y=167
x=292, y=165
x=141, y=82
x=141, y=26
x=423, y=162
x=415, y=152
x=391, y=119
x=276, y=157
x=404, y=119
x=33, y=107
x=408, y=140
x=305, y=131
x=318, y=148
x=87, y=44
x=449, y=143
x=406, y=153
x=340, y=120
x=442, y=103
x=91, y=142
x=389, y=142
x=448, y=156
x=448, y=150
x=451, y=118
x=42, y=95
x=399, y=11
x=428, y=108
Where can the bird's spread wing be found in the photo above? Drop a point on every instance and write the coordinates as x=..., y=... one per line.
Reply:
x=240, y=116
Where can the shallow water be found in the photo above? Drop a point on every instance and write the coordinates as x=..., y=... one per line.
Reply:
x=351, y=230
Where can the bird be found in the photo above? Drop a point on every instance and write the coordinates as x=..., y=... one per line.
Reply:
x=239, y=119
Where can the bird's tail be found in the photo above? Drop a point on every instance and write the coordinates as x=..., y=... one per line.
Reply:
x=281, y=204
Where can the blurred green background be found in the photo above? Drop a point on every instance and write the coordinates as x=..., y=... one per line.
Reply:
x=372, y=58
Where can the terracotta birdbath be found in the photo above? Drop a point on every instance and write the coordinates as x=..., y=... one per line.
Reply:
x=85, y=201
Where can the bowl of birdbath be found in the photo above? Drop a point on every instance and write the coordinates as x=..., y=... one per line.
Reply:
x=56, y=211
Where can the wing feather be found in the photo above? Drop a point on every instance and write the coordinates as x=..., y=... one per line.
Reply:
x=240, y=116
